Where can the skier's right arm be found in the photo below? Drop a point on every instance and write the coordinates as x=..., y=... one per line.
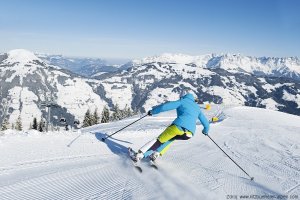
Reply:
x=204, y=122
x=171, y=105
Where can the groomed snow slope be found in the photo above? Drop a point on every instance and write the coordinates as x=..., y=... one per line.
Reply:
x=79, y=166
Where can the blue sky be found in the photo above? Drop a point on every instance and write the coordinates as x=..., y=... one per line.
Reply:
x=140, y=28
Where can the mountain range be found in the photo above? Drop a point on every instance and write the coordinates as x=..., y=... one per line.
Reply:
x=83, y=66
x=27, y=83
x=74, y=85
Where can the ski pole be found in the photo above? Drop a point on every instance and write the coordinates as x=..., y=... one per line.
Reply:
x=103, y=139
x=251, y=178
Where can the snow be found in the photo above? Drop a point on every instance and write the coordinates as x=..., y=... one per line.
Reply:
x=98, y=74
x=268, y=87
x=174, y=58
x=251, y=89
x=160, y=95
x=119, y=93
x=21, y=61
x=77, y=165
x=289, y=97
x=270, y=104
x=77, y=97
x=21, y=56
x=29, y=109
x=231, y=62
x=230, y=96
x=59, y=73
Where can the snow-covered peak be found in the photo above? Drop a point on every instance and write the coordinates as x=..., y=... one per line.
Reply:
x=173, y=58
x=168, y=57
x=21, y=56
x=235, y=63
x=20, y=63
x=262, y=65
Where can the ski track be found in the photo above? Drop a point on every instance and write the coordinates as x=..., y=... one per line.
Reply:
x=86, y=181
x=83, y=167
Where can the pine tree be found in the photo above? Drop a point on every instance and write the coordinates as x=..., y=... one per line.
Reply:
x=35, y=124
x=127, y=111
x=5, y=124
x=19, y=126
x=117, y=115
x=95, y=117
x=87, y=121
x=41, y=125
x=123, y=112
x=105, y=115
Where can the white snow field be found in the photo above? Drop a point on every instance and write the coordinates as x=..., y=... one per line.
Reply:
x=74, y=165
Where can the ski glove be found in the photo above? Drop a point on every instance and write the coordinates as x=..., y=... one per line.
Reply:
x=204, y=132
x=149, y=113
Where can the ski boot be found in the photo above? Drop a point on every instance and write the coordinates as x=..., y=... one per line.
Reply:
x=154, y=156
x=135, y=156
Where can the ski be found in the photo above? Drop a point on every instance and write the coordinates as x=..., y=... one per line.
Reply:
x=131, y=154
x=138, y=167
x=153, y=164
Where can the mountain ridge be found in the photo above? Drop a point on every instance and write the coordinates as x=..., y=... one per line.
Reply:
x=28, y=82
x=270, y=66
x=140, y=85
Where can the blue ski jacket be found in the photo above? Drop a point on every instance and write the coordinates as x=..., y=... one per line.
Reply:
x=187, y=113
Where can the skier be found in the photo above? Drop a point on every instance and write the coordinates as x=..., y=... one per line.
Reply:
x=182, y=128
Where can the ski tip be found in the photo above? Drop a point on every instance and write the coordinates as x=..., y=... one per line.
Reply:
x=154, y=166
x=139, y=169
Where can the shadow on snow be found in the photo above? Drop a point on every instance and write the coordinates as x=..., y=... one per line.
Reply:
x=111, y=143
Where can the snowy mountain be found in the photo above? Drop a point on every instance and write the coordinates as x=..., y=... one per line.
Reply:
x=65, y=165
x=26, y=83
x=82, y=66
x=219, y=79
x=268, y=66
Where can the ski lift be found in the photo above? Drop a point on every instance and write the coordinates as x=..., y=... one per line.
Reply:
x=62, y=120
x=76, y=122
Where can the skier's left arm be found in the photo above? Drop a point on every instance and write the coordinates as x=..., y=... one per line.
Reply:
x=165, y=107
x=204, y=122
